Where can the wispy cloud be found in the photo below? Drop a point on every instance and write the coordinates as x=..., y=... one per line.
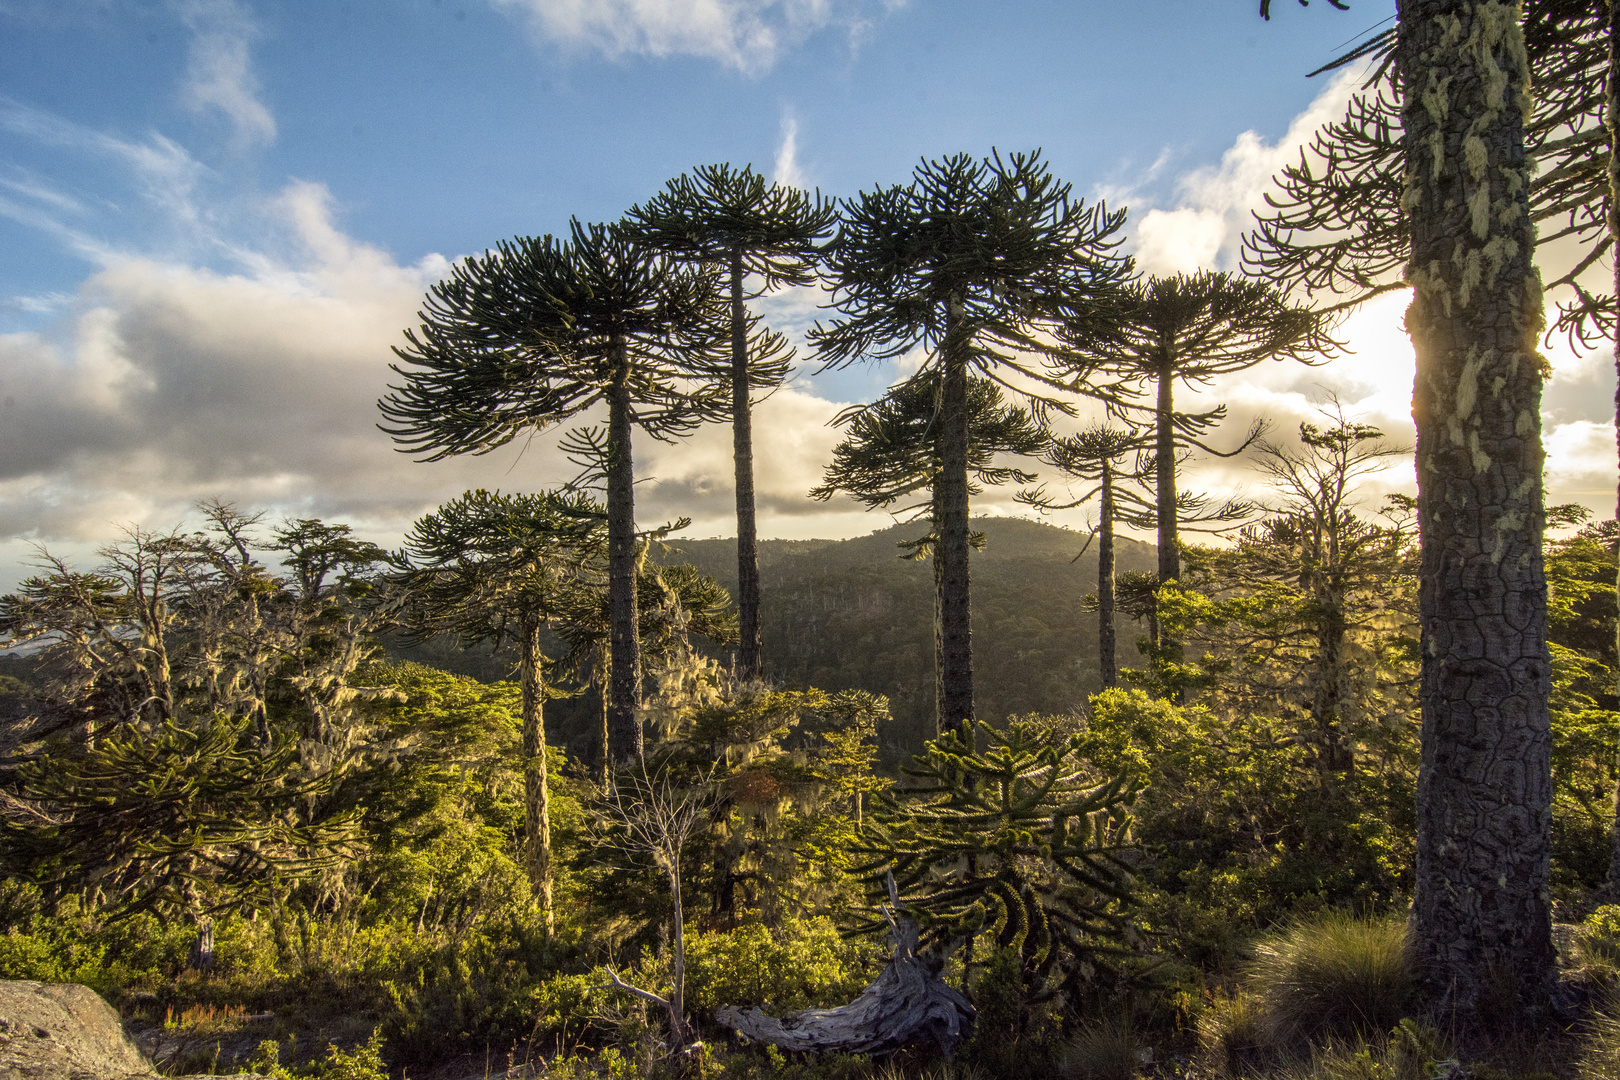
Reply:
x=219, y=74
x=787, y=171
x=749, y=35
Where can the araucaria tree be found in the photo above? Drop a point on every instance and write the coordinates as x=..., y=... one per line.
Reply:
x=535, y=333
x=1189, y=329
x=1098, y=454
x=894, y=450
x=492, y=567
x=975, y=261
x=759, y=237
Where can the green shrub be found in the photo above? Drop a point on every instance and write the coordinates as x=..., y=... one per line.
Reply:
x=803, y=963
x=364, y=1063
x=1333, y=974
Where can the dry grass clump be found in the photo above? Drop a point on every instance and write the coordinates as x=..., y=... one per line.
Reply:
x=1600, y=1049
x=1103, y=1050
x=1231, y=1033
x=1334, y=976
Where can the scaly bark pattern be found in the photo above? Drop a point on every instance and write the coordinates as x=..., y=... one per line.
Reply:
x=1481, y=912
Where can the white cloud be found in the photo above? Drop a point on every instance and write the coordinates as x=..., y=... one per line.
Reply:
x=787, y=170
x=749, y=35
x=1215, y=203
x=219, y=73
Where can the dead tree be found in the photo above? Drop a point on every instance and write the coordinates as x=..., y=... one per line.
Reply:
x=907, y=1003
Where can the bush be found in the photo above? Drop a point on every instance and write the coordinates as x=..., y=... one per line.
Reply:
x=801, y=964
x=1334, y=974
x=1596, y=946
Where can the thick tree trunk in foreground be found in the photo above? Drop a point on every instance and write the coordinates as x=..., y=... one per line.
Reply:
x=624, y=727
x=536, y=797
x=1611, y=120
x=749, y=655
x=1481, y=915
x=951, y=529
x=1106, y=658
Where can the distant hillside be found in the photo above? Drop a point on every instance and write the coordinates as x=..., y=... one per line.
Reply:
x=852, y=613
x=844, y=614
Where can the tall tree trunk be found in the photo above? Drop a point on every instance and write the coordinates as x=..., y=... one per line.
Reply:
x=951, y=542
x=1333, y=755
x=677, y=973
x=1611, y=120
x=1164, y=465
x=939, y=599
x=1106, y=658
x=749, y=652
x=624, y=677
x=536, y=797
x=1481, y=915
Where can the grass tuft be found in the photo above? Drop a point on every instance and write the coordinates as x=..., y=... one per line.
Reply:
x=1103, y=1050
x=1334, y=976
x=1231, y=1034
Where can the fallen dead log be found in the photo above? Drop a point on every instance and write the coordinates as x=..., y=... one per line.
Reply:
x=907, y=1003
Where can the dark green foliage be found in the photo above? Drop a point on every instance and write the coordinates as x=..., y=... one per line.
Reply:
x=975, y=261
x=539, y=330
x=180, y=820
x=1020, y=842
x=1237, y=829
x=892, y=451
x=849, y=614
x=535, y=333
x=734, y=225
x=1586, y=729
x=1186, y=329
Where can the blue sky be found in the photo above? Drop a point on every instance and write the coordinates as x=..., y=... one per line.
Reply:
x=217, y=215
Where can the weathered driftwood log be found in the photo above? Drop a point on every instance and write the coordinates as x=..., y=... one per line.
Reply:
x=907, y=1003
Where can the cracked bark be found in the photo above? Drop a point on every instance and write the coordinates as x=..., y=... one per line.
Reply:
x=1481, y=915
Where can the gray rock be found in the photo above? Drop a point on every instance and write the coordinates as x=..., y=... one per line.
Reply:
x=63, y=1031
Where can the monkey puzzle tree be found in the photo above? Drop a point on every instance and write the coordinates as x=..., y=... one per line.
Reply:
x=537, y=332
x=733, y=221
x=1481, y=913
x=487, y=567
x=894, y=451
x=1097, y=453
x=1021, y=841
x=975, y=260
x=1188, y=329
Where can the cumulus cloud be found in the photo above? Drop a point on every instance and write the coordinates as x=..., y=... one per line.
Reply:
x=1214, y=204
x=1201, y=227
x=219, y=72
x=749, y=35
x=167, y=383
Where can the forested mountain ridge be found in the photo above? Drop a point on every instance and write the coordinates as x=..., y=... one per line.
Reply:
x=852, y=613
